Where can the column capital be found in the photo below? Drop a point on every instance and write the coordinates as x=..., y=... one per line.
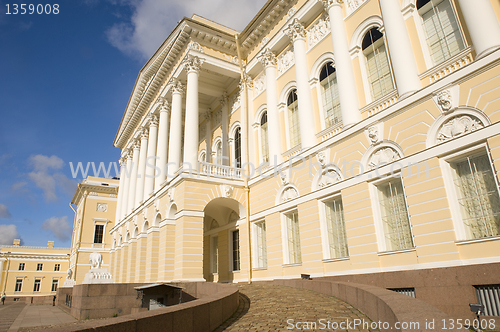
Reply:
x=223, y=99
x=330, y=3
x=153, y=120
x=144, y=133
x=267, y=58
x=248, y=80
x=122, y=161
x=166, y=106
x=208, y=115
x=193, y=63
x=295, y=31
x=137, y=144
x=177, y=86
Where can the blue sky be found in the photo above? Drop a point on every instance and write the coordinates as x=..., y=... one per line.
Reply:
x=65, y=81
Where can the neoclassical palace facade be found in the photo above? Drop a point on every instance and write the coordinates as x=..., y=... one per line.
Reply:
x=328, y=138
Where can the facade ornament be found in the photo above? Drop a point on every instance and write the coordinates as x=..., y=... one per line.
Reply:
x=123, y=161
x=295, y=30
x=144, y=216
x=223, y=99
x=233, y=217
x=383, y=156
x=267, y=58
x=318, y=31
x=329, y=3
x=218, y=117
x=236, y=100
x=195, y=47
x=248, y=81
x=102, y=207
x=458, y=126
x=95, y=260
x=227, y=190
x=285, y=61
x=290, y=13
x=171, y=193
x=284, y=178
x=137, y=144
x=208, y=115
x=322, y=158
x=214, y=224
x=444, y=100
x=177, y=86
x=166, y=106
x=92, y=193
x=161, y=100
x=157, y=205
x=353, y=4
x=153, y=120
x=373, y=134
x=193, y=63
x=288, y=194
x=233, y=59
x=69, y=274
x=259, y=84
x=328, y=177
x=144, y=133
x=112, y=195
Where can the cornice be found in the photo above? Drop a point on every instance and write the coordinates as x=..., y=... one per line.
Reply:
x=160, y=66
x=92, y=188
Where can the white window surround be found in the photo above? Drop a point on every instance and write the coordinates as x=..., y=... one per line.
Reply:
x=202, y=155
x=217, y=141
x=284, y=236
x=214, y=254
x=231, y=133
x=355, y=49
x=283, y=107
x=377, y=215
x=102, y=222
x=324, y=227
x=445, y=163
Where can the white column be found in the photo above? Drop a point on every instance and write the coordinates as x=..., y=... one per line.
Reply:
x=297, y=34
x=133, y=178
x=174, y=149
x=121, y=189
x=141, y=170
x=482, y=24
x=225, y=128
x=268, y=60
x=348, y=94
x=126, y=189
x=151, y=158
x=400, y=50
x=162, y=147
x=191, y=139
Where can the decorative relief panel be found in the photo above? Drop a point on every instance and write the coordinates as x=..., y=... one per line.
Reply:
x=235, y=101
x=226, y=190
x=318, y=31
x=102, y=207
x=259, y=85
x=383, y=156
x=375, y=133
x=288, y=194
x=352, y=5
x=457, y=126
x=328, y=176
x=285, y=61
x=195, y=47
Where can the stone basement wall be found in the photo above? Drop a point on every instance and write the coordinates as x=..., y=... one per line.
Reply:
x=215, y=304
x=379, y=304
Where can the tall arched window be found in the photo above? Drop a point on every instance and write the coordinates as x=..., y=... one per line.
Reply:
x=377, y=64
x=218, y=153
x=441, y=29
x=330, y=94
x=237, y=147
x=293, y=118
x=264, y=143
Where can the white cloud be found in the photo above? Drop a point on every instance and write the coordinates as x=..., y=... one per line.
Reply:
x=4, y=212
x=7, y=234
x=60, y=227
x=152, y=21
x=46, y=177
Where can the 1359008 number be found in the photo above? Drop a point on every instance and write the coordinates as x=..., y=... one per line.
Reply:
x=31, y=9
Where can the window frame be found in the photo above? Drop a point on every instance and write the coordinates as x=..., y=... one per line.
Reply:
x=57, y=267
x=55, y=282
x=257, y=254
x=377, y=214
x=324, y=227
x=288, y=116
x=321, y=90
x=285, y=237
x=19, y=282
x=261, y=135
x=39, y=266
x=232, y=250
x=22, y=266
x=37, y=285
x=446, y=162
x=214, y=263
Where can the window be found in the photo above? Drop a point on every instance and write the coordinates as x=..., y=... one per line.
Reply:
x=215, y=254
x=293, y=118
x=477, y=195
x=293, y=237
x=98, y=233
x=19, y=285
x=335, y=226
x=441, y=28
x=39, y=267
x=405, y=291
x=57, y=267
x=330, y=95
x=489, y=296
x=236, y=250
x=261, y=248
x=378, y=70
x=264, y=141
x=36, y=286
x=396, y=225
x=218, y=153
x=237, y=148
x=54, y=285
x=21, y=266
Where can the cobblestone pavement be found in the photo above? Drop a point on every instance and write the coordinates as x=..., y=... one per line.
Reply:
x=266, y=307
x=9, y=313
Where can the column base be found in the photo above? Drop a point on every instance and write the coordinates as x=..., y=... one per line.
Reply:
x=406, y=95
x=487, y=52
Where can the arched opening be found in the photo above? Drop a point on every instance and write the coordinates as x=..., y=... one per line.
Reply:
x=293, y=118
x=264, y=142
x=221, y=258
x=330, y=94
